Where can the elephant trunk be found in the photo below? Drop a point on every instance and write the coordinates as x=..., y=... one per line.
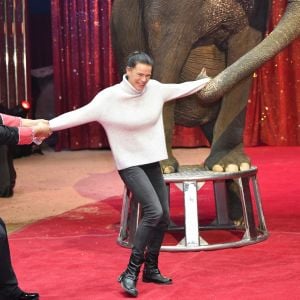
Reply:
x=285, y=32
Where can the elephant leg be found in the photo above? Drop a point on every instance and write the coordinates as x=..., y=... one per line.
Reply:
x=169, y=58
x=235, y=208
x=227, y=153
x=188, y=111
x=171, y=164
x=167, y=75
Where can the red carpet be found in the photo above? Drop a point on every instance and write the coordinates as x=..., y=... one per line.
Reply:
x=75, y=255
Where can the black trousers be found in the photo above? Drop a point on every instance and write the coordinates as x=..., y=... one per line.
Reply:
x=147, y=186
x=8, y=281
x=7, y=172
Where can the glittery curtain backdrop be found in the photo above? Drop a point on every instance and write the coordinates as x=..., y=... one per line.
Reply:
x=273, y=116
x=83, y=65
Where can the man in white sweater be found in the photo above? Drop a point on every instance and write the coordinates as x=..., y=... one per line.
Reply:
x=131, y=114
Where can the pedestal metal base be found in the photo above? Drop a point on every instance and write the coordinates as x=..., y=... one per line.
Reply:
x=190, y=178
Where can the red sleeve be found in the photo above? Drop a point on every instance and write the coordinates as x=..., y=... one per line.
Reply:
x=25, y=135
x=10, y=120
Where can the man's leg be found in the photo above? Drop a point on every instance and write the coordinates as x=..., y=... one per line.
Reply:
x=7, y=173
x=9, y=289
x=8, y=280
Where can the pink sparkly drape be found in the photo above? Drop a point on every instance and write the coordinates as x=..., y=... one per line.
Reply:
x=83, y=65
x=273, y=113
x=273, y=116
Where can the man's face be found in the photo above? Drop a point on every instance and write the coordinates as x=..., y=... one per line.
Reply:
x=139, y=75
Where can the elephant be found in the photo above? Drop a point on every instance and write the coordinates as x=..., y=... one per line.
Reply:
x=224, y=37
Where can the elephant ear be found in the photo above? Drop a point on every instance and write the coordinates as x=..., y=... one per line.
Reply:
x=202, y=74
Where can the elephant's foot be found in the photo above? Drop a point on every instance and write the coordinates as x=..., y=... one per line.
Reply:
x=169, y=166
x=236, y=213
x=231, y=167
x=239, y=222
x=233, y=161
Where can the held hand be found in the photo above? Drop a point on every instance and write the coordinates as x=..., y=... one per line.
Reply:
x=41, y=130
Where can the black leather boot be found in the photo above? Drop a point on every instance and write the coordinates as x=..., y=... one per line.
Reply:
x=151, y=272
x=128, y=279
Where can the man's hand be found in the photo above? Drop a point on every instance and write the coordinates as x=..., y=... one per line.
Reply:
x=41, y=130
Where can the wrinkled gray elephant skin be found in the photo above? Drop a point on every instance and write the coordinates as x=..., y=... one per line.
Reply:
x=225, y=37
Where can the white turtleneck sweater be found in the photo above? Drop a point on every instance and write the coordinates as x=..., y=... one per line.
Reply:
x=132, y=119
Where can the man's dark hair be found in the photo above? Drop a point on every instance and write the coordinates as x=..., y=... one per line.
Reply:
x=139, y=57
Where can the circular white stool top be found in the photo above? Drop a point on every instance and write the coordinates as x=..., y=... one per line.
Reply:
x=198, y=173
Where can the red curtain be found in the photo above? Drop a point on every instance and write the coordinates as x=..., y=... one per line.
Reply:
x=83, y=65
x=273, y=116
